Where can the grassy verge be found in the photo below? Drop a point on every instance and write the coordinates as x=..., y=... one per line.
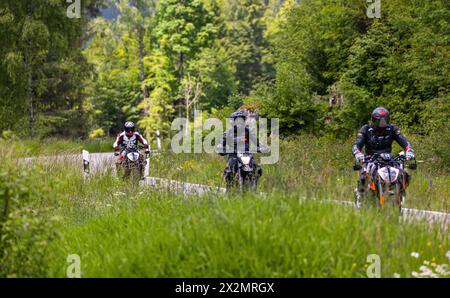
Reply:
x=312, y=168
x=162, y=235
x=49, y=147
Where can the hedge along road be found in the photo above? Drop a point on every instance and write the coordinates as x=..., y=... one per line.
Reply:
x=102, y=162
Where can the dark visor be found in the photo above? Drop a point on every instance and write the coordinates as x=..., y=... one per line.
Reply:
x=382, y=122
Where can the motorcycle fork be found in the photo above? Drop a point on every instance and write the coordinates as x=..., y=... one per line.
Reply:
x=399, y=193
x=381, y=191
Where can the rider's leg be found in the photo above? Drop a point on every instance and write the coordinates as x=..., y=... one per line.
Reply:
x=258, y=169
x=230, y=169
x=119, y=162
x=141, y=166
x=362, y=184
x=408, y=178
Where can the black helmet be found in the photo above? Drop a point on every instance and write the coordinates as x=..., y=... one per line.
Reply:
x=381, y=117
x=130, y=127
x=239, y=114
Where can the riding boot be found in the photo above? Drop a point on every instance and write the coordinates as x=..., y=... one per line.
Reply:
x=408, y=178
x=360, y=191
x=362, y=185
x=228, y=176
x=118, y=166
x=259, y=171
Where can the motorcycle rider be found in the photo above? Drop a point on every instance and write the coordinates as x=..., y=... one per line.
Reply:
x=129, y=135
x=378, y=137
x=239, y=136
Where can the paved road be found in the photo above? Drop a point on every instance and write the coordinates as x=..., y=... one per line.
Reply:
x=101, y=162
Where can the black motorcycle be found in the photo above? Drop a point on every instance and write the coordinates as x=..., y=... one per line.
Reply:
x=247, y=174
x=242, y=171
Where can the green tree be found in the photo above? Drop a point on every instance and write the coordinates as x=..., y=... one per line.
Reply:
x=243, y=38
x=401, y=63
x=161, y=82
x=183, y=28
x=216, y=72
x=310, y=53
x=42, y=67
x=118, y=50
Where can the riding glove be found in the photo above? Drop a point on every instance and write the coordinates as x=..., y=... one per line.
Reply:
x=410, y=154
x=359, y=157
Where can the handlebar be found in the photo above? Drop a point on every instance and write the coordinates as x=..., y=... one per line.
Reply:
x=376, y=158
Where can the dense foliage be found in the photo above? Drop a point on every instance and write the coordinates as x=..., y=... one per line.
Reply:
x=335, y=65
x=318, y=65
x=42, y=68
x=26, y=228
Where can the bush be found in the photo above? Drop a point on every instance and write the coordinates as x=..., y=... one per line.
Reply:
x=433, y=149
x=8, y=135
x=25, y=228
x=97, y=133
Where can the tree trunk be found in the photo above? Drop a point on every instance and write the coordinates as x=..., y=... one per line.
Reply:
x=141, y=60
x=187, y=106
x=180, y=77
x=187, y=114
x=32, y=117
x=29, y=72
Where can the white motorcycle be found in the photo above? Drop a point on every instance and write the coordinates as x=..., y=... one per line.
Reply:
x=386, y=180
x=133, y=163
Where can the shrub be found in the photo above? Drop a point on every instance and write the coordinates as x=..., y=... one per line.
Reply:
x=97, y=133
x=8, y=135
x=25, y=228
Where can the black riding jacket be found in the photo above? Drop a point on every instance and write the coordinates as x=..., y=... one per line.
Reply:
x=235, y=137
x=379, y=141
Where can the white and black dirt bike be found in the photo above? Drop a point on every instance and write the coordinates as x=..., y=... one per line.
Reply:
x=385, y=181
x=133, y=163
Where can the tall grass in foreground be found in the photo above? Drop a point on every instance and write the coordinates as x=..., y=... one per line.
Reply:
x=163, y=235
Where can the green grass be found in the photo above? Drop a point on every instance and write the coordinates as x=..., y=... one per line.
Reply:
x=48, y=147
x=123, y=231
x=161, y=235
x=313, y=168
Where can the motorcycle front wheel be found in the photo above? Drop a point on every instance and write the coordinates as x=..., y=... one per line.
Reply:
x=247, y=181
x=241, y=181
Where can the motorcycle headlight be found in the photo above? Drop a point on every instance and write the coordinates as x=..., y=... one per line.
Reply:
x=389, y=174
x=245, y=160
x=133, y=156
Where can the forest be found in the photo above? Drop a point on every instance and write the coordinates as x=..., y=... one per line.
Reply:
x=320, y=66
